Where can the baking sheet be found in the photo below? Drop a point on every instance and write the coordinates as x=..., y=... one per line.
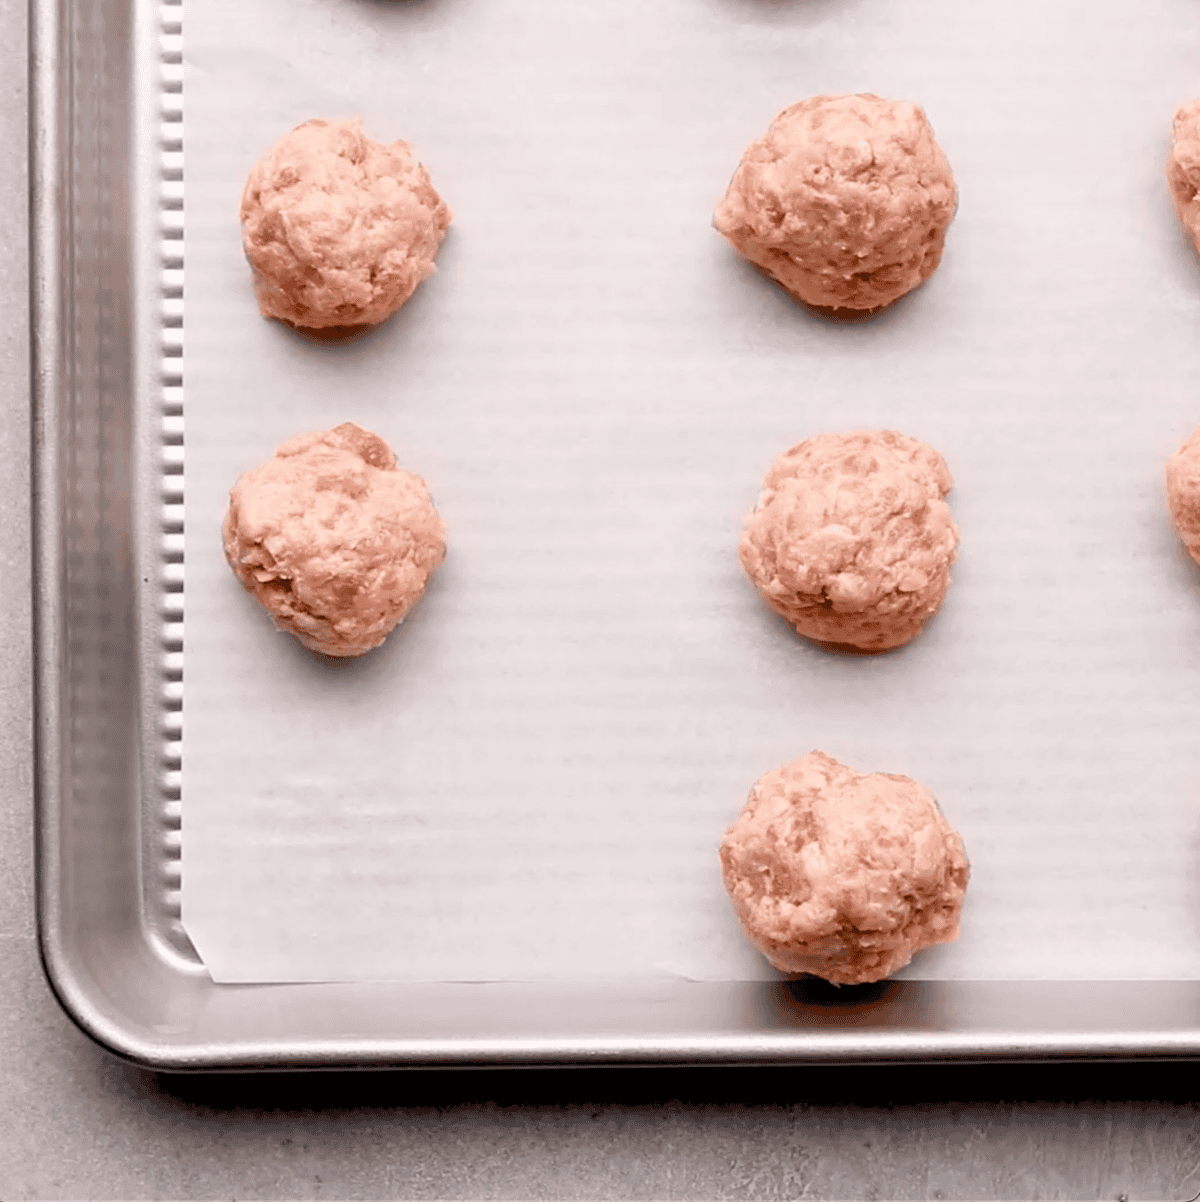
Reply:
x=531, y=777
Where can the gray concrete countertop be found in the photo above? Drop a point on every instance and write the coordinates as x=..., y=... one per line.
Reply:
x=76, y=1124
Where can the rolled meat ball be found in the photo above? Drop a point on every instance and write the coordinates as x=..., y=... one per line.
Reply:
x=1183, y=493
x=1183, y=169
x=845, y=201
x=334, y=539
x=841, y=875
x=851, y=540
x=339, y=230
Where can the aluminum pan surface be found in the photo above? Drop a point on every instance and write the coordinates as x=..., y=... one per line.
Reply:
x=111, y=958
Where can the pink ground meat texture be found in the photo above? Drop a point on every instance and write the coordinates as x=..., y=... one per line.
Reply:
x=1183, y=493
x=1183, y=169
x=339, y=230
x=841, y=875
x=851, y=541
x=845, y=201
x=333, y=539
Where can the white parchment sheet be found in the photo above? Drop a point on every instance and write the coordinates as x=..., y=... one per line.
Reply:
x=531, y=778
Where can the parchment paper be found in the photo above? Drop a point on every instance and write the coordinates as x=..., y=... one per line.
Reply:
x=531, y=778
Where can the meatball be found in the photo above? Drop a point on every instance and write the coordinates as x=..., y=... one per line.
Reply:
x=339, y=230
x=333, y=539
x=1183, y=493
x=1183, y=169
x=841, y=875
x=851, y=541
x=845, y=201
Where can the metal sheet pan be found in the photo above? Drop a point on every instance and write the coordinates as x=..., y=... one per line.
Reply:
x=106, y=141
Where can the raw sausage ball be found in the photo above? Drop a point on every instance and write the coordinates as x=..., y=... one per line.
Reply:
x=845, y=201
x=333, y=539
x=1183, y=169
x=842, y=875
x=1183, y=493
x=851, y=541
x=339, y=230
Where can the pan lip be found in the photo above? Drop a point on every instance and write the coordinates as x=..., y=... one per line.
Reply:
x=45, y=302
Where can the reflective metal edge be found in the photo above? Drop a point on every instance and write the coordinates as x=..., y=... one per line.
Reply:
x=129, y=988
